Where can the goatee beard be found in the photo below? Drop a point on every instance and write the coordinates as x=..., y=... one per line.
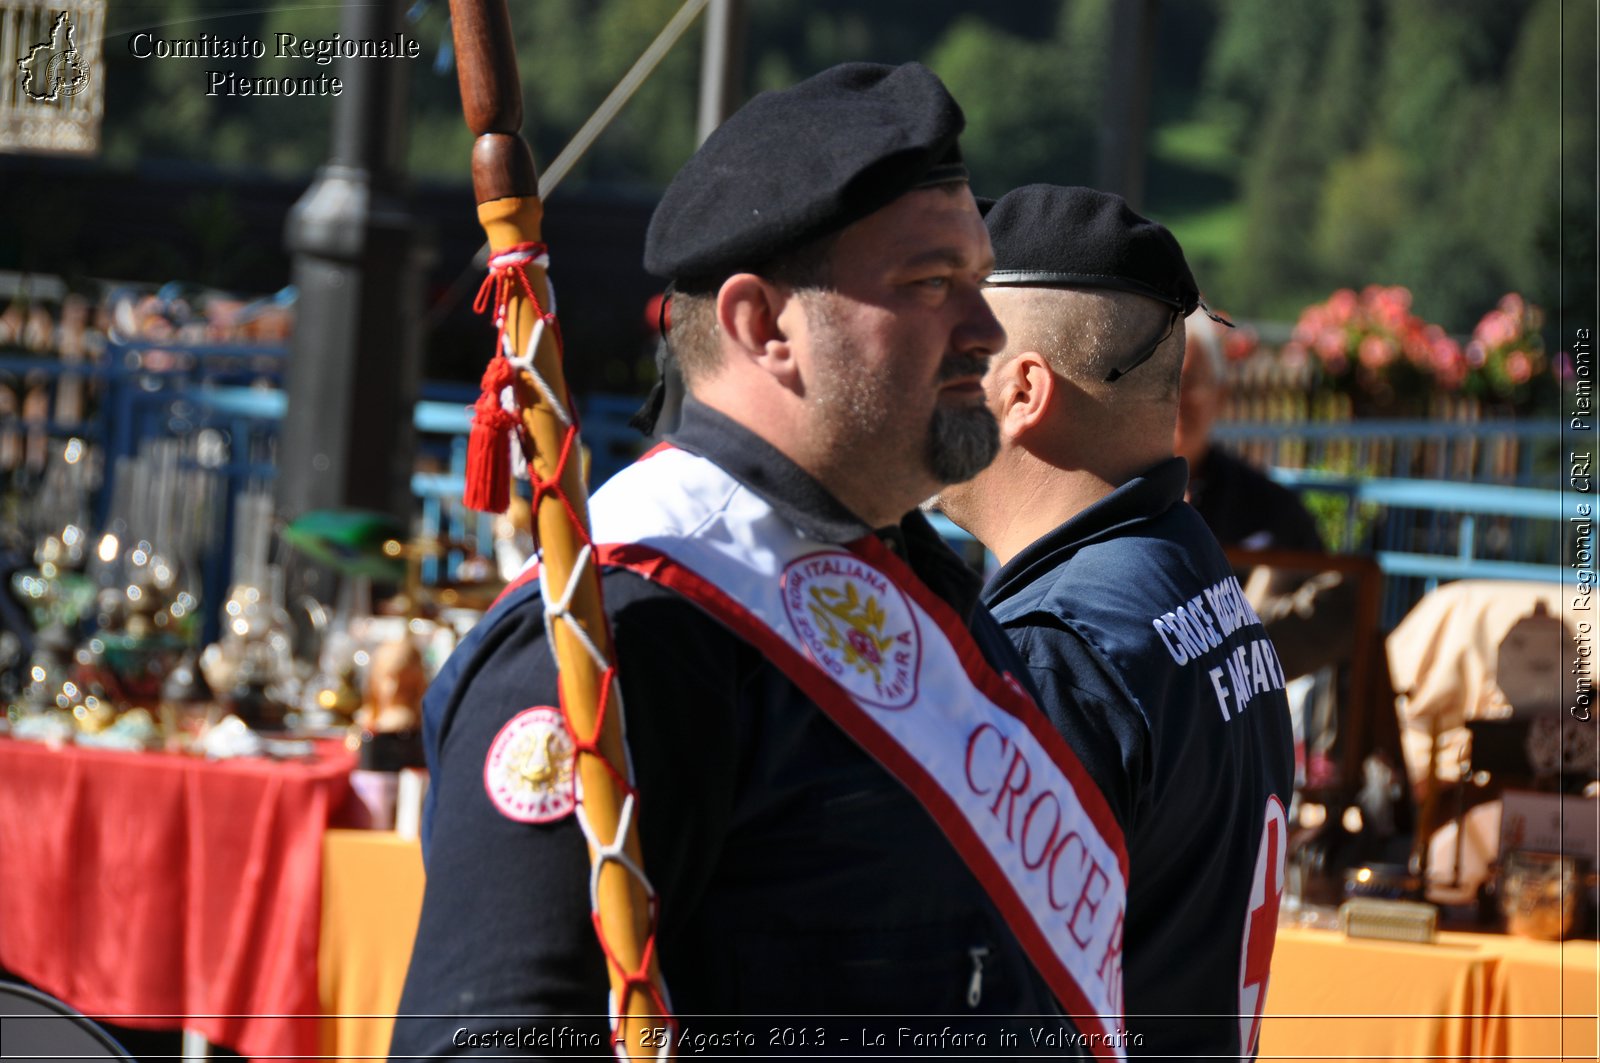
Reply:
x=961, y=443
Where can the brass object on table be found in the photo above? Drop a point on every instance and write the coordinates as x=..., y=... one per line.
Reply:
x=340, y=698
x=1371, y=917
x=395, y=685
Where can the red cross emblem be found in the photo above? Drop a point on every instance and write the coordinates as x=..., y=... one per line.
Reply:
x=1261, y=924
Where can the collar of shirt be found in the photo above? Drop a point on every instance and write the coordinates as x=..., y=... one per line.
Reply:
x=1152, y=492
x=799, y=499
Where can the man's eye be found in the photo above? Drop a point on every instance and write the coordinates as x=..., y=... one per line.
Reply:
x=934, y=282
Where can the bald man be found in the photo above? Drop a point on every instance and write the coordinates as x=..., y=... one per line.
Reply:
x=1147, y=656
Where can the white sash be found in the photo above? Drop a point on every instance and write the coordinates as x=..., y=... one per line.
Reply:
x=894, y=665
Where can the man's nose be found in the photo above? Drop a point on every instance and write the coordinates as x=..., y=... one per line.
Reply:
x=980, y=334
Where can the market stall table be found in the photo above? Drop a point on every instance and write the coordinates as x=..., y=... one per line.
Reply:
x=1467, y=996
x=371, y=900
x=1545, y=1001
x=159, y=891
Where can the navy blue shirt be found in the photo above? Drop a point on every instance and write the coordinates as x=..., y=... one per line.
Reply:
x=1166, y=686
x=795, y=875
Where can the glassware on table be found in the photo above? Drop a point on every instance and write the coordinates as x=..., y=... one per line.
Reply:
x=1539, y=894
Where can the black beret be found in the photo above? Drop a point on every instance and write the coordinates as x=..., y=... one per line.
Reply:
x=799, y=163
x=1055, y=236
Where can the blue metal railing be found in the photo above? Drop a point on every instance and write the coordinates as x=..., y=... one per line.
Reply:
x=1519, y=452
x=1416, y=488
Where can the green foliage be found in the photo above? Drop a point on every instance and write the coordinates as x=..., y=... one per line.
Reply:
x=1273, y=267
x=1299, y=145
x=1408, y=142
x=1343, y=523
x=1364, y=202
x=1256, y=43
x=1007, y=145
x=1208, y=238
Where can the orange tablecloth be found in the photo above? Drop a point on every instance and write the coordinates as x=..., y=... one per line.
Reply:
x=1351, y=999
x=162, y=891
x=1545, y=1001
x=1469, y=996
x=371, y=900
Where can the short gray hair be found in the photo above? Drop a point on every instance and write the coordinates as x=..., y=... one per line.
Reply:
x=1086, y=333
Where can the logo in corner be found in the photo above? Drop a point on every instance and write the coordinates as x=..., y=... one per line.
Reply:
x=857, y=625
x=529, y=771
x=53, y=69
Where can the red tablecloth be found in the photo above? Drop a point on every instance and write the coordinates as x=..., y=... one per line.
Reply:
x=157, y=891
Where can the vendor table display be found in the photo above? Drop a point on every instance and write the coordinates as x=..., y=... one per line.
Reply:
x=158, y=891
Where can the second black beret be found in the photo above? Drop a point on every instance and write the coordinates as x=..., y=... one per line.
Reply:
x=1073, y=237
x=798, y=163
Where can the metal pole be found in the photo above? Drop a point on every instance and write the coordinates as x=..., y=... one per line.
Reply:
x=721, y=64
x=347, y=438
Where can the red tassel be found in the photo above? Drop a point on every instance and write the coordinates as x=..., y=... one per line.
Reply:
x=489, y=447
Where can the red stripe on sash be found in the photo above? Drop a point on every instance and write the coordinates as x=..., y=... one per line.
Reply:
x=997, y=690
x=843, y=709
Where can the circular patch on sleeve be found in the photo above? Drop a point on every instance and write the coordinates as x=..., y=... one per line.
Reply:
x=529, y=770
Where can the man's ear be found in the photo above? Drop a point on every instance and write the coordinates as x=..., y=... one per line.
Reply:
x=1025, y=388
x=748, y=308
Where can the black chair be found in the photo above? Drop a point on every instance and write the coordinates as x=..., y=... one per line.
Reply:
x=36, y=1026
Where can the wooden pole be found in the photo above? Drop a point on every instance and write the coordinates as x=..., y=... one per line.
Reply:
x=505, y=182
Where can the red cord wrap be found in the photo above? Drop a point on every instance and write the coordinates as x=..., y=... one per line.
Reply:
x=638, y=980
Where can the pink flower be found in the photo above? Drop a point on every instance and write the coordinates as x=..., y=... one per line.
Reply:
x=1241, y=344
x=1446, y=352
x=1476, y=355
x=1519, y=367
x=1418, y=341
x=1376, y=352
x=1391, y=307
x=1342, y=306
x=1511, y=304
x=1496, y=329
x=1448, y=364
x=1330, y=344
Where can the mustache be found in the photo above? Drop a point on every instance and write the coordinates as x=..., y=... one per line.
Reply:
x=955, y=366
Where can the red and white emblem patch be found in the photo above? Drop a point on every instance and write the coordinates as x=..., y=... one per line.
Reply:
x=530, y=768
x=857, y=625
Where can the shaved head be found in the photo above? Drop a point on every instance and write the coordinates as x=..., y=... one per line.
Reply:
x=1087, y=333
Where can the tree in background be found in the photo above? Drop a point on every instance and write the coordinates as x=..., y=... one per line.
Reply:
x=1032, y=104
x=1409, y=142
x=1296, y=146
